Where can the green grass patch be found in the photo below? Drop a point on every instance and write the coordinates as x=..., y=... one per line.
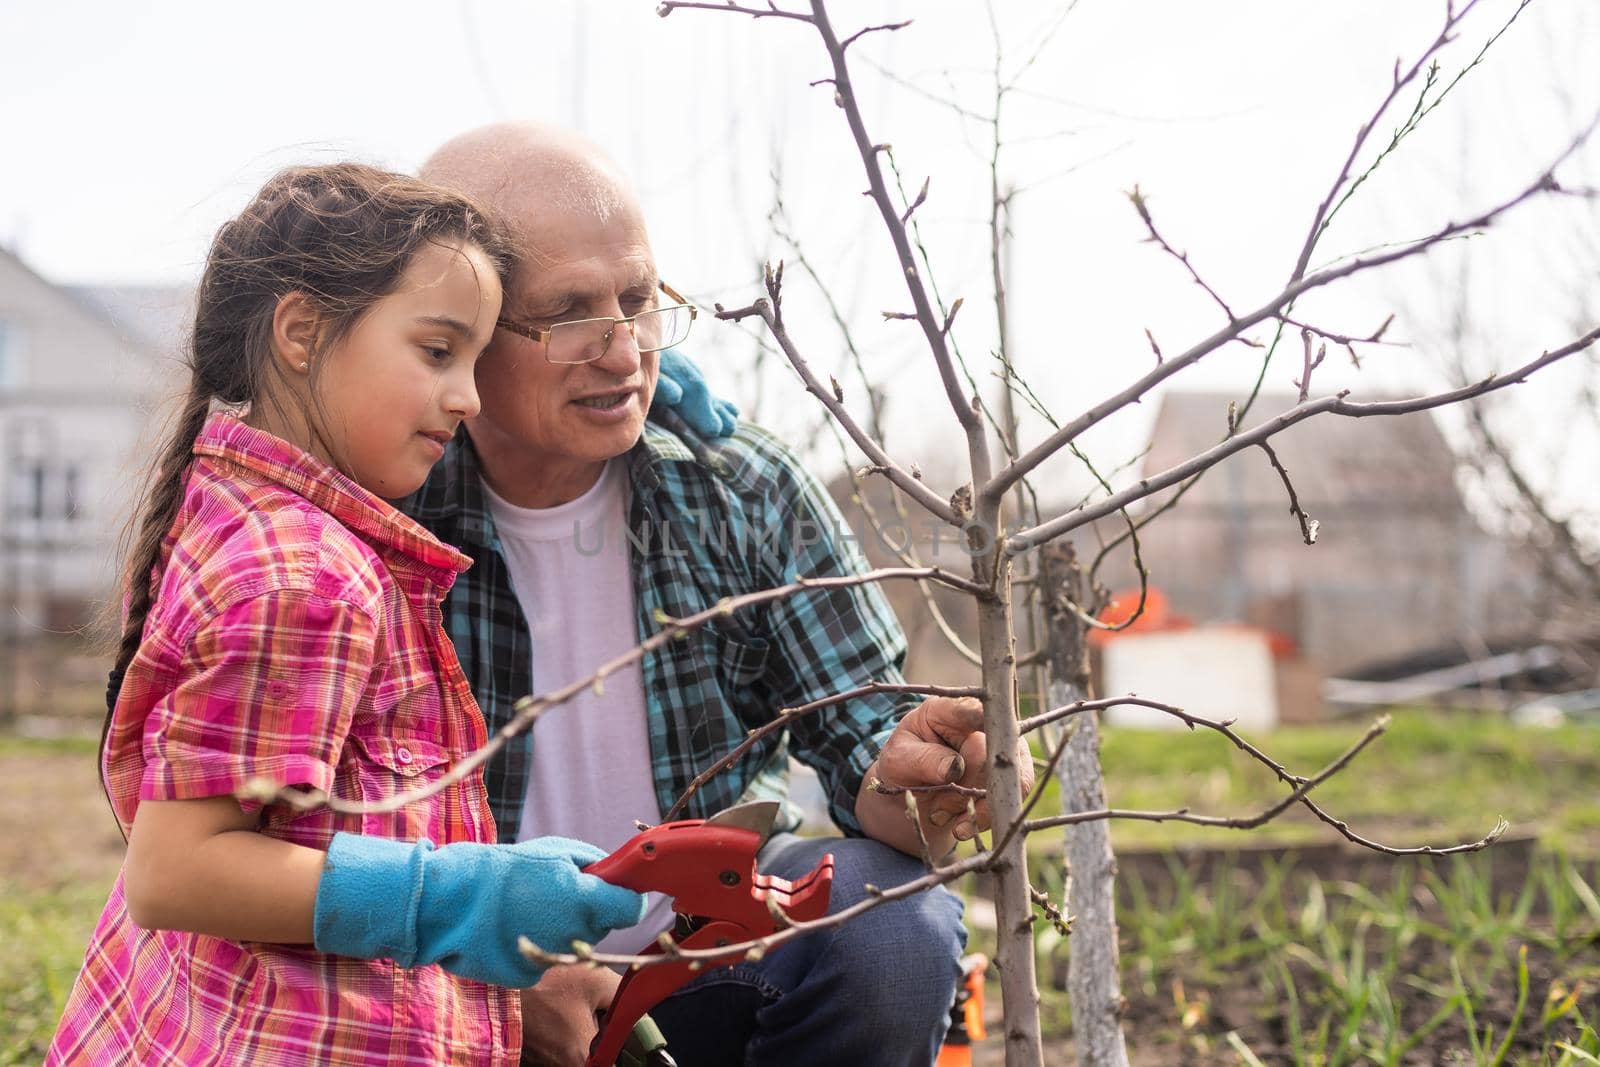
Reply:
x=1466, y=959
x=1432, y=777
x=11, y=745
x=45, y=934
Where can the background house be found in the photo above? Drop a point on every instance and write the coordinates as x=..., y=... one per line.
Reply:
x=82, y=372
x=1400, y=565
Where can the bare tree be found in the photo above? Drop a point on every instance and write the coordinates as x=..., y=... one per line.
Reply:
x=1009, y=538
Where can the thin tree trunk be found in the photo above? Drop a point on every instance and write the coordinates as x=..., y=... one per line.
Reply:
x=1019, y=988
x=1094, y=982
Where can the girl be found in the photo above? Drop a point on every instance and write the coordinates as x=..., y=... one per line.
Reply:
x=283, y=627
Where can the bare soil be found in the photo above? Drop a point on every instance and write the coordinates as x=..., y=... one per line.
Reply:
x=56, y=828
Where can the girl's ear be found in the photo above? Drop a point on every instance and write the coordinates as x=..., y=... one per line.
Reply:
x=296, y=323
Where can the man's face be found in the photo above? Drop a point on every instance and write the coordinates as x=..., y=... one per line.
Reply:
x=575, y=265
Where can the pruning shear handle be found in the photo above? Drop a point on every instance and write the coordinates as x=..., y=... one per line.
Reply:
x=708, y=868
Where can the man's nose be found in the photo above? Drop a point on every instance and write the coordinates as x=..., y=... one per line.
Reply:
x=622, y=354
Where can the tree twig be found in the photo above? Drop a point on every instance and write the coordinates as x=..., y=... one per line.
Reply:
x=789, y=715
x=1003, y=480
x=1308, y=525
x=767, y=311
x=1337, y=405
x=527, y=710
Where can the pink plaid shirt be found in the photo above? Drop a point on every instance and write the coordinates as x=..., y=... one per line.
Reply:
x=295, y=637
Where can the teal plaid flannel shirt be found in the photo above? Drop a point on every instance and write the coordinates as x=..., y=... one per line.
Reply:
x=708, y=519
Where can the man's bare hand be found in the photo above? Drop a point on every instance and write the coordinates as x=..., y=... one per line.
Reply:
x=942, y=742
x=558, y=1014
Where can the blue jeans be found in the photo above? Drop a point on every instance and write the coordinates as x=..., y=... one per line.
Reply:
x=875, y=990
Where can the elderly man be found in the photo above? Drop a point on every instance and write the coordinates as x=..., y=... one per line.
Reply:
x=587, y=525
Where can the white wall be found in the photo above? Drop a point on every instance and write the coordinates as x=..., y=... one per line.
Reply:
x=1221, y=672
x=75, y=400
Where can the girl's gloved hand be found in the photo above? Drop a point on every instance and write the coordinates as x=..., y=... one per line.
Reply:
x=463, y=906
x=682, y=388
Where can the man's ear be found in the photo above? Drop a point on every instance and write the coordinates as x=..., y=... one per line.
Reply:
x=296, y=325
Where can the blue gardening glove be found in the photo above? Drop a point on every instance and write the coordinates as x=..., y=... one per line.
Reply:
x=464, y=905
x=682, y=388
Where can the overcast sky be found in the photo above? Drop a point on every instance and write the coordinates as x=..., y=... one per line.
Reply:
x=133, y=129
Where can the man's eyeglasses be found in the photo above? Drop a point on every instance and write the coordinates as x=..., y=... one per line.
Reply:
x=586, y=340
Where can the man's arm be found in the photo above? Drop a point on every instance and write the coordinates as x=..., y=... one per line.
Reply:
x=830, y=640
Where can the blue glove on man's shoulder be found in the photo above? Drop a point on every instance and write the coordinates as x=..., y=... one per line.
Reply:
x=463, y=906
x=683, y=388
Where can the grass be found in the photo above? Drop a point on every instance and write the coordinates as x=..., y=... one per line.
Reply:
x=59, y=853
x=1412, y=962
x=33, y=747
x=1431, y=778
x=44, y=934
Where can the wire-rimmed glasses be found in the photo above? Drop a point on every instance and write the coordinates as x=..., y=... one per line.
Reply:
x=586, y=340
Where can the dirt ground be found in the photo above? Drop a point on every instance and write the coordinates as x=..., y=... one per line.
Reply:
x=56, y=828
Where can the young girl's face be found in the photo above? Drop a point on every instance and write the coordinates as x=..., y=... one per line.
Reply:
x=395, y=388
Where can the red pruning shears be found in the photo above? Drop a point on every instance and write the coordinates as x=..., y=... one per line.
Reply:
x=708, y=867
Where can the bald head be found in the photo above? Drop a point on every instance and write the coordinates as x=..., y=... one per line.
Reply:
x=524, y=170
x=552, y=419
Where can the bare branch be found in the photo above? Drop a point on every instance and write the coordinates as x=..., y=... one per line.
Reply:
x=914, y=816
x=879, y=786
x=762, y=945
x=1052, y=911
x=1328, y=209
x=922, y=195
x=950, y=316
x=667, y=7
x=913, y=487
x=789, y=715
x=1223, y=727
x=1373, y=338
x=1132, y=394
x=888, y=26
x=1308, y=525
x=865, y=147
x=1141, y=205
x=528, y=709
x=1338, y=405
x=1308, y=366
x=1299, y=795
x=907, y=557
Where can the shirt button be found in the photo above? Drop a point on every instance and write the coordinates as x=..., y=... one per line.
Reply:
x=403, y=755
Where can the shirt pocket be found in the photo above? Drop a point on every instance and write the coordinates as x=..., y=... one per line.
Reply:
x=386, y=765
x=741, y=661
x=737, y=662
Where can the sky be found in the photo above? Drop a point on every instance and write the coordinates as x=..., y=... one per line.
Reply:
x=133, y=129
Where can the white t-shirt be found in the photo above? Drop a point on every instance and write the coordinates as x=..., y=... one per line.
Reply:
x=591, y=775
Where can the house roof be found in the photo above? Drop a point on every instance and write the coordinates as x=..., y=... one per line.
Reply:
x=154, y=317
x=1398, y=460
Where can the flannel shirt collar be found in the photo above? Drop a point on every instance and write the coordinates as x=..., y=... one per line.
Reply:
x=225, y=436
x=453, y=495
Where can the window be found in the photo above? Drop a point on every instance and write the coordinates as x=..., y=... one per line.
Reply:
x=10, y=354
x=72, y=499
x=44, y=495
x=35, y=493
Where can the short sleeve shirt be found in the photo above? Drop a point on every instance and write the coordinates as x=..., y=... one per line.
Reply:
x=295, y=639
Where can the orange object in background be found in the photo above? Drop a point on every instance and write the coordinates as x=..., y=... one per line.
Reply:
x=966, y=1014
x=1157, y=615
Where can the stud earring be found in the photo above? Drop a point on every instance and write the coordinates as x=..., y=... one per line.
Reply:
x=305, y=366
